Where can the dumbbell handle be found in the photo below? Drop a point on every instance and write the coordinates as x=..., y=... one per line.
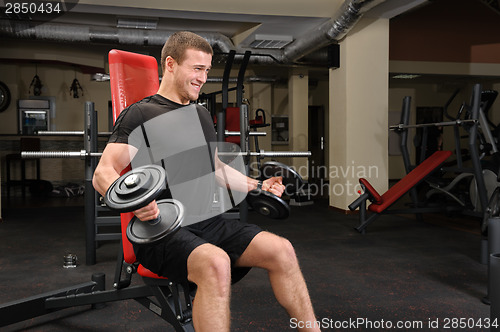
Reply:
x=154, y=221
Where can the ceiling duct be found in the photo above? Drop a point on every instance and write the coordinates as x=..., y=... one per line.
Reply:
x=331, y=31
x=328, y=33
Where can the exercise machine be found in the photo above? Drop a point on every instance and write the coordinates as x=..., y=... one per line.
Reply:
x=380, y=204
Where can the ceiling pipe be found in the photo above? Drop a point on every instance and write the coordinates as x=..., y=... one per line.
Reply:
x=328, y=33
x=331, y=31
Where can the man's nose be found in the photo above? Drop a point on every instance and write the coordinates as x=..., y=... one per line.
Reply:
x=202, y=77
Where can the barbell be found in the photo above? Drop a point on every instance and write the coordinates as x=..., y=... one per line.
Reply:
x=84, y=154
x=108, y=133
x=457, y=122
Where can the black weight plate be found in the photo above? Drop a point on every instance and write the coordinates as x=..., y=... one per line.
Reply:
x=291, y=179
x=170, y=221
x=136, y=188
x=268, y=204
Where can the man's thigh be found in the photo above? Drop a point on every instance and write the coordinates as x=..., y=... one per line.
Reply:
x=263, y=250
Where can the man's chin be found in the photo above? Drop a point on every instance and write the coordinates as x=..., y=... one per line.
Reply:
x=194, y=97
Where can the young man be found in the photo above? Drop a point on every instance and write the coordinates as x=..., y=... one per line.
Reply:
x=210, y=253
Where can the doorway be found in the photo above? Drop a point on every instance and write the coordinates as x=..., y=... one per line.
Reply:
x=317, y=170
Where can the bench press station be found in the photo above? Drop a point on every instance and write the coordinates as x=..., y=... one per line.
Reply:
x=380, y=204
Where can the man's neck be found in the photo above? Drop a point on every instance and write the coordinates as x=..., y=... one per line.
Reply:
x=169, y=94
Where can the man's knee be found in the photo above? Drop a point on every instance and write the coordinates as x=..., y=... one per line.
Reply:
x=211, y=266
x=280, y=253
x=286, y=253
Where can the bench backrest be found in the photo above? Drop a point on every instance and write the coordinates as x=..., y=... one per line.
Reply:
x=133, y=77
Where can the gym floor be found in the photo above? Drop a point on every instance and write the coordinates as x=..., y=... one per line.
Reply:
x=401, y=270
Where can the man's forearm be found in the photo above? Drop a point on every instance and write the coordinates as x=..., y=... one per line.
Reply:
x=234, y=179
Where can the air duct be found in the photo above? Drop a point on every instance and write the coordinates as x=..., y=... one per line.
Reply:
x=326, y=34
x=331, y=31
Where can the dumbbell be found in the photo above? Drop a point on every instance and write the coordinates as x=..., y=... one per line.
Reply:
x=136, y=189
x=267, y=203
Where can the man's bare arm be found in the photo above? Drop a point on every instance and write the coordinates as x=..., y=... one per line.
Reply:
x=115, y=157
x=228, y=176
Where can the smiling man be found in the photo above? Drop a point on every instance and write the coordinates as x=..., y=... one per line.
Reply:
x=214, y=252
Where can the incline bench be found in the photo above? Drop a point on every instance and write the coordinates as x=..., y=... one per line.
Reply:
x=380, y=204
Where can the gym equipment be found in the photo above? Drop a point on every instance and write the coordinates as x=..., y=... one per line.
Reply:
x=268, y=204
x=380, y=203
x=140, y=186
x=68, y=133
x=258, y=122
x=84, y=154
x=245, y=124
x=94, y=219
x=151, y=231
x=136, y=189
x=268, y=154
x=70, y=261
x=238, y=133
x=157, y=294
x=457, y=122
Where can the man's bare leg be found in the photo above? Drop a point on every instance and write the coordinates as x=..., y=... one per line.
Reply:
x=277, y=256
x=209, y=267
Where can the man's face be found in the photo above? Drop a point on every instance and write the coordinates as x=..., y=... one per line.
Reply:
x=192, y=74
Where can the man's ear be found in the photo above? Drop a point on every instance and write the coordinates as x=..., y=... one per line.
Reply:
x=169, y=63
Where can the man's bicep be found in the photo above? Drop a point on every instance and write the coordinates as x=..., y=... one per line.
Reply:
x=117, y=156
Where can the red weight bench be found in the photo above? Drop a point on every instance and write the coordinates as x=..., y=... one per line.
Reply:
x=133, y=77
x=381, y=203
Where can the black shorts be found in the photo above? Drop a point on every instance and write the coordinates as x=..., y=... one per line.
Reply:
x=169, y=258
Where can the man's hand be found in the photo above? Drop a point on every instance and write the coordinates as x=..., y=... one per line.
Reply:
x=149, y=212
x=274, y=185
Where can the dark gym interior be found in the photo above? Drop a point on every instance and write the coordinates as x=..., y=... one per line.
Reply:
x=384, y=128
